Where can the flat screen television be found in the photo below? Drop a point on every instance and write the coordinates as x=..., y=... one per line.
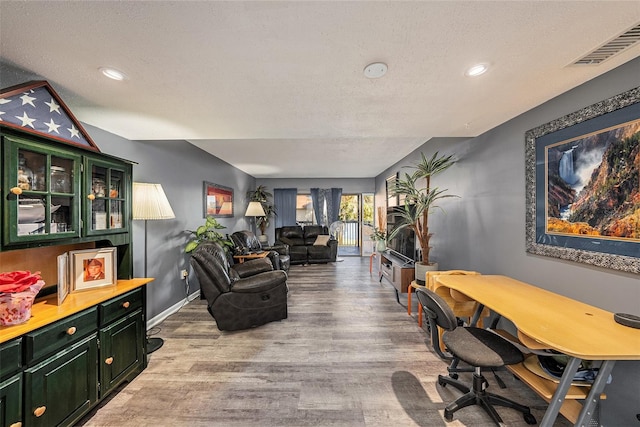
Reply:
x=404, y=243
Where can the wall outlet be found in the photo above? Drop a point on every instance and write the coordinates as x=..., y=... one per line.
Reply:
x=184, y=274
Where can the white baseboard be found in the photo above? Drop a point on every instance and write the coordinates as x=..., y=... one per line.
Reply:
x=156, y=320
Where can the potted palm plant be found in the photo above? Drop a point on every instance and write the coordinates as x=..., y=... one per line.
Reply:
x=260, y=194
x=420, y=199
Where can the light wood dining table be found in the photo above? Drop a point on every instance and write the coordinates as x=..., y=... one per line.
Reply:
x=546, y=320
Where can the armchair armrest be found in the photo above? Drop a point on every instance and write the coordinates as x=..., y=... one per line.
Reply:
x=281, y=248
x=333, y=246
x=252, y=267
x=260, y=282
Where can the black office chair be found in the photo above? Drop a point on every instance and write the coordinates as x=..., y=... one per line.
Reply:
x=477, y=347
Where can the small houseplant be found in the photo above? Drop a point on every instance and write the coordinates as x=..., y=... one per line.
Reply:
x=420, y=199
x=260, y=194
x=380, y=237
x=208, y=232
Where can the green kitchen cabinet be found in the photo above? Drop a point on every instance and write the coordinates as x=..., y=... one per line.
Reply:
x=121, y=351
x=11, y=401
x=42, y=190
x=62, y=388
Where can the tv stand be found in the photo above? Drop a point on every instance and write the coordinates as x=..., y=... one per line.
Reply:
x=399, y=271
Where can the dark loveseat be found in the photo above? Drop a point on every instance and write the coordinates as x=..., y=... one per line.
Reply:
x=304, y=245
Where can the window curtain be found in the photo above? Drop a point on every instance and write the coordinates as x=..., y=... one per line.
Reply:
x=333, y=199
x=284, y=200
x=326, y=204
x=317, y=199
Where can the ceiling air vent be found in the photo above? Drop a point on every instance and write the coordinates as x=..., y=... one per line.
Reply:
x=615, y=46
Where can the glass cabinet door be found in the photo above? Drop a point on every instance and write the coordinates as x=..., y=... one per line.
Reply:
x=42, y=203
x=106, y=199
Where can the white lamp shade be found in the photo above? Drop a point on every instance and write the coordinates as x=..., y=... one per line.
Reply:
x=150, y=202
x=255, y=209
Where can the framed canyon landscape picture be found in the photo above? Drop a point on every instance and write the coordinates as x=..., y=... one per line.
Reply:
x=583, y=185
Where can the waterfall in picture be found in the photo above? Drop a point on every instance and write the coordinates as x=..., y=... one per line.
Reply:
x=566, y=171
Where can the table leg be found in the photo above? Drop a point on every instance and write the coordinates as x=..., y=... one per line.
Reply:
x=371, y=258
x=476, y=315
x=551, y=413
x=594, y=395
x=409, y=300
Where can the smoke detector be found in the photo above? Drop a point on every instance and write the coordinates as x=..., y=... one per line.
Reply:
x=375, y=70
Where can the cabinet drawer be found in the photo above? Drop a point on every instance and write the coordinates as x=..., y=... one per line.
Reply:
x=52, y=338
x=120, y=306
x=10, y=357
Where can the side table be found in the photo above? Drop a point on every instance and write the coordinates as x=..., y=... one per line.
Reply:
x=242, y=258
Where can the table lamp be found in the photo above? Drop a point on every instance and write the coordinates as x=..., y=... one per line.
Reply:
x=150, y=203
x=255, y=209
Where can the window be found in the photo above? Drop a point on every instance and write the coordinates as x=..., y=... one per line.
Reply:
x=304, y=210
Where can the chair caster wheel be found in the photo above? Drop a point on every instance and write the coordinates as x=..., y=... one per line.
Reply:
x=529, y=418
x=454, y=376
x=448, y=415
x=442, y=382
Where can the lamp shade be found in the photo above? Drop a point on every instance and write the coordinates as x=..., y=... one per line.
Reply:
x=150, y=202
x=255, y=209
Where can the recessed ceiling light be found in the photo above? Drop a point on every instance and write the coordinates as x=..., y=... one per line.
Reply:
x=375, y=70
x=476, y=70
x=112, y=73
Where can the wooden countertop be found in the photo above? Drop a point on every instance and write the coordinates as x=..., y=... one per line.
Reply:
x=46, y=310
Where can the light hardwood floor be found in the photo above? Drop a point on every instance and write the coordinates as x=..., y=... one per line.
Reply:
x=348, y=355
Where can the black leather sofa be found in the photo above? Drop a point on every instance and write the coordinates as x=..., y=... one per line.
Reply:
x=304, y=247
x=239, y=296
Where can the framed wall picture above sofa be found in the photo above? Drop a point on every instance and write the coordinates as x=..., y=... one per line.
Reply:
x=218, y=200
x=583, y=193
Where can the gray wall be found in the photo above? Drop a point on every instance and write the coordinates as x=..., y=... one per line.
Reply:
x=484, y=230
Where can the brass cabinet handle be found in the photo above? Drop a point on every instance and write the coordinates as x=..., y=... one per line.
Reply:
x=91, y=197
x=39, y=411
x=126, y=304
x=16, y=190
x=71, y=330
x=108, y=360
x=18, y=424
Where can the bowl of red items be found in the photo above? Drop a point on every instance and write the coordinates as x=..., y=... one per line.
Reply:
x=18, y=290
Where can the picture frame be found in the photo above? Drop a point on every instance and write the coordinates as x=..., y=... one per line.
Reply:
x=63, y=277
x=92, y=268
x=217, y=201
x=571, y=211
x=390, y=184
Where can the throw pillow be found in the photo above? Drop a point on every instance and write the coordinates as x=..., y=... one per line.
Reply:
x=321, y=240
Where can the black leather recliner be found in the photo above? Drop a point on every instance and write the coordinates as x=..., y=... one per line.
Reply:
x=301, y=244
x=246, y=241
x=239, y=296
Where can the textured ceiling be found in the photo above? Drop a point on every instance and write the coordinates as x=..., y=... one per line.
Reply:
x=277, y=88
